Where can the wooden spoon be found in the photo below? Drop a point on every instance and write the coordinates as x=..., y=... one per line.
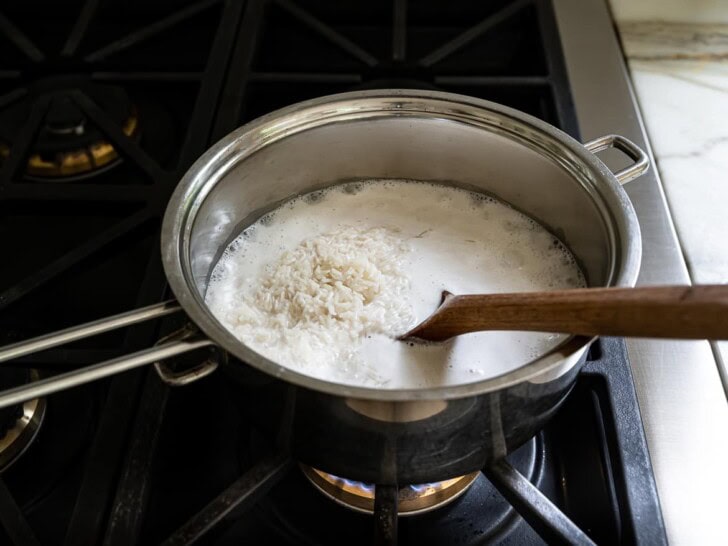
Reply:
x=681, y=312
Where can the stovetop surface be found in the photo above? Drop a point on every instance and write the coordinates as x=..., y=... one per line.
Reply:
x=103, y=106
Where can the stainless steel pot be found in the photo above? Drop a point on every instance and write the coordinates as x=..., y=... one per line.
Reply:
x=381, y=435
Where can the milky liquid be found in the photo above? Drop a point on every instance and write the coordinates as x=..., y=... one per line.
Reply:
x=456, y=240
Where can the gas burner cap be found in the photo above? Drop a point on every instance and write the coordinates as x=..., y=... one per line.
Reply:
x=19, y=424
x=68, y=145
x=413, y=499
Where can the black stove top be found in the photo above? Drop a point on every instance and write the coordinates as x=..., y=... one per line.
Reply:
x=103, y=105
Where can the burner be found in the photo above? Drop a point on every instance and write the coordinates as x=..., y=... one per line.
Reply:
x=20, y=423
x=413, y=499
x=67, y=146
x=293, y=511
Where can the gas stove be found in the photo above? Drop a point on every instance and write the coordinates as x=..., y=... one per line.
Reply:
x=103, y=106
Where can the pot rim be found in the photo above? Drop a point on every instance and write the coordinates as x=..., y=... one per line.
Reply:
x=214, y=164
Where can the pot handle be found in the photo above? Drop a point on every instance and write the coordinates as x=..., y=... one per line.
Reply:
x=168, y=347
x=179, y=379
x=641, y=159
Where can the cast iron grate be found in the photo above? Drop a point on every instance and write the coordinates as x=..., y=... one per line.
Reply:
x=585, y=479
x=505, y=51
x=87, y=246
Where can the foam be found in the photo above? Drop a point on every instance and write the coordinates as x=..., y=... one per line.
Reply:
x=452, y=239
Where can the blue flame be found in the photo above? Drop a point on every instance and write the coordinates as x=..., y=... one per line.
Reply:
x=369, y=488
x=421, y=488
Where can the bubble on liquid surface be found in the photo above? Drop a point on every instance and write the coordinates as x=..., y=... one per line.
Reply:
x=471, y=243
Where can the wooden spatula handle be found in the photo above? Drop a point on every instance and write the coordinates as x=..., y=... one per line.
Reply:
x=682, y=312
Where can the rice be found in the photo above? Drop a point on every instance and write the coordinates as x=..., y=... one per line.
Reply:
x=326, y=294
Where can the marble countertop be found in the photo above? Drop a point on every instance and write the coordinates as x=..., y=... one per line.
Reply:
x=677, y=53
x=679, y=66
